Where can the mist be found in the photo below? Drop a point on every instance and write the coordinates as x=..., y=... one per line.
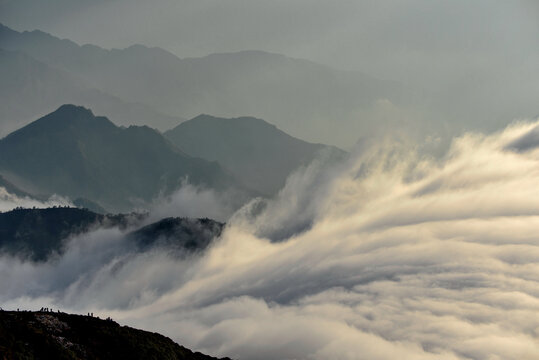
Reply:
x=194, y=202
x=9, y=201
x=418, y=241
x=397, y=254
x=452, y=66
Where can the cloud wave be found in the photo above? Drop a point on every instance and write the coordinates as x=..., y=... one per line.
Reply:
x=404, y=256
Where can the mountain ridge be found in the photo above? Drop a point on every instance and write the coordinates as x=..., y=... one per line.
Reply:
x=32, y=88
x=40, y=234
x=73, y=153
x=297, y=95
x=256, y=151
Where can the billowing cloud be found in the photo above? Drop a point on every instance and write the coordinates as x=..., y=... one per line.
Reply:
x=404, y=256
x=194, y=202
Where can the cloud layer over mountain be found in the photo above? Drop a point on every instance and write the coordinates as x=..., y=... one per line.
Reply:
x=9, y=201
x=398, y=256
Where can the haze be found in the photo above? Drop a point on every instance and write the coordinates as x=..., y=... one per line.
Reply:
x=280, y=179
x=466, y=64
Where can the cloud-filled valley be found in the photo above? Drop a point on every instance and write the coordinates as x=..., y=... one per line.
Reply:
x=391, y=254
x=268, y=180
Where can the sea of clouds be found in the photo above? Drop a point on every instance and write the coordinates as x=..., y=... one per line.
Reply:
x=392, y=255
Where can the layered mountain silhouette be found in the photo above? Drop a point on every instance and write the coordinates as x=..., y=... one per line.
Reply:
x=253, y=150
x=57, y=335
x=73, y=153
x=299, y=96
x=38, y=234
x=30, y=88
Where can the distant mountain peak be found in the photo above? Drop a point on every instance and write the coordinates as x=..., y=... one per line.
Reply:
x=241, y=120
x=144, y=48
x=248, y=53
x=73, y=110
x=297, y=95
x=254, y=150
x=66, y=116
x=73, y=153
x=72, y=116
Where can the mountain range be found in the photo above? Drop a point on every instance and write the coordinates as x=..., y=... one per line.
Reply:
x=30, y=88
x=73, y=153
x=300, y=97
x=87, y=158
x=256, y=152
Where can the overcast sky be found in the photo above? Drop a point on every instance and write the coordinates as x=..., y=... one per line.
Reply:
x=383, y=37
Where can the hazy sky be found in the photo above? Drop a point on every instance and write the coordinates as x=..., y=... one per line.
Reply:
x=382, y=37
x=475, y=62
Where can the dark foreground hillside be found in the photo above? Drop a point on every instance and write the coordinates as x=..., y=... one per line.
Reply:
x=49, y=335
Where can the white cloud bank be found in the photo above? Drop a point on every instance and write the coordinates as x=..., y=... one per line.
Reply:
x=404, y=257
x=194, y=202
